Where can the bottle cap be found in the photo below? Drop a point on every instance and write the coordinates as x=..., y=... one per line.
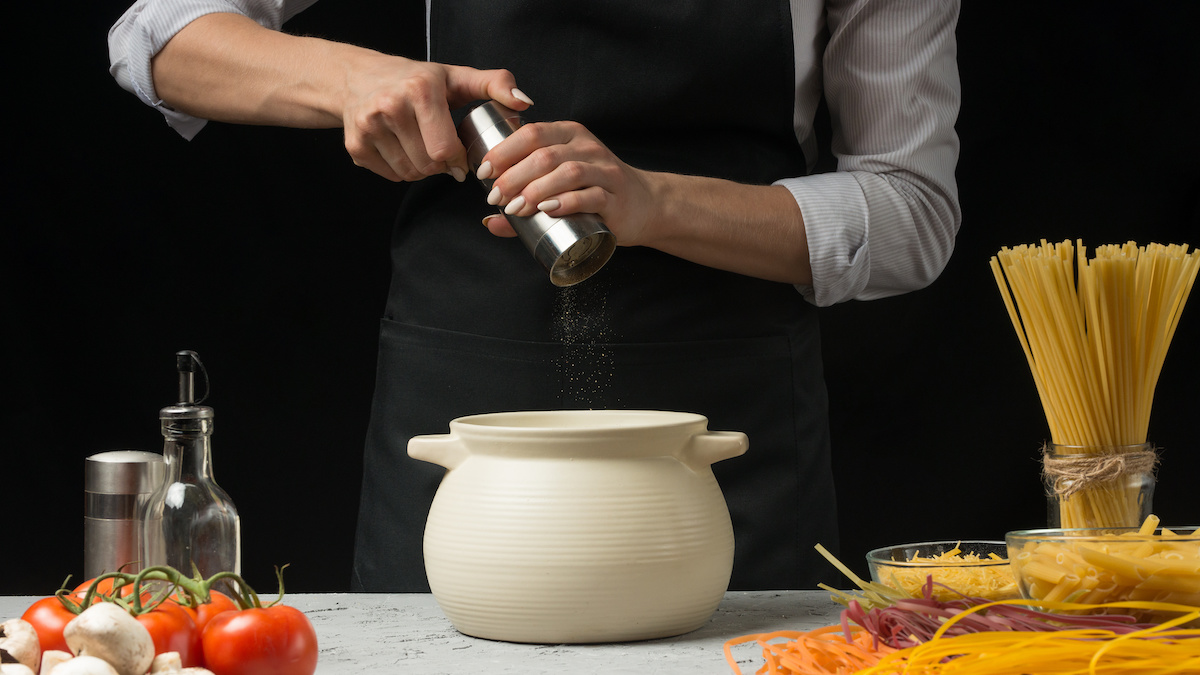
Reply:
x=187, y=364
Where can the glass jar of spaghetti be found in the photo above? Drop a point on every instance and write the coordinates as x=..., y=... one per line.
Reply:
x=1098, y=485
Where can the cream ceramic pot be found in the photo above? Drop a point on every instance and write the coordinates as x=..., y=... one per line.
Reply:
x=578, y=526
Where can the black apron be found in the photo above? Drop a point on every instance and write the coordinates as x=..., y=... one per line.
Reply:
x=474, y=325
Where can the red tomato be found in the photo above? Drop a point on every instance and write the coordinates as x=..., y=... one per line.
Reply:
x=217, y=602
x=82, y=589
x=277, y=640
x=49, y=618
x=201, y=614
x=172, y=629
x=105, y=588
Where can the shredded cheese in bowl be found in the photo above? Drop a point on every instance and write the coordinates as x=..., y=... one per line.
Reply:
x=974, y=568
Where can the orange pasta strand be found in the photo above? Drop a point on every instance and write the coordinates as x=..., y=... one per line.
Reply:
x=817, y=652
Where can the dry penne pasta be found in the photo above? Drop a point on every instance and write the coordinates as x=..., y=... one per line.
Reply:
x=1049, y=573
x=1077, y=566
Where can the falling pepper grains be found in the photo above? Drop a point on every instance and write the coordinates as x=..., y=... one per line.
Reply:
x=582, y=326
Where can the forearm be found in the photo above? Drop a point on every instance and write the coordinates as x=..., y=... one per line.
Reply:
x=749, y=229
x=226, y=67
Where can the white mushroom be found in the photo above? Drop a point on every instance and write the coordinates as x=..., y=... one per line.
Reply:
x=51, y=659
x=106, y=631
x=15, y=669
x=168, y=663
x=84, y=665
x=19, y=644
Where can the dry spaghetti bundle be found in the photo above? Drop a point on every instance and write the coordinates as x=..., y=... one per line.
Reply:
x=1095, y=333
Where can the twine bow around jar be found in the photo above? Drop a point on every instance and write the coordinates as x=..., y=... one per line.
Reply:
x=1098, y=486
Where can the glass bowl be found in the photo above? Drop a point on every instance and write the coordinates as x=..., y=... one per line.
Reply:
x=1103, y=565
x=978, y=569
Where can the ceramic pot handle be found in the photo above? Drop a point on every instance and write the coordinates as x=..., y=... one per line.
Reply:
x=711, y=447
x=442, y=449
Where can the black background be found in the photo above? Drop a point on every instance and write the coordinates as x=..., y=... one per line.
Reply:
x=266, y=251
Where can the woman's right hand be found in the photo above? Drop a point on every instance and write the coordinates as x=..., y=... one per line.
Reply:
x=396, y=114
x=395, y=111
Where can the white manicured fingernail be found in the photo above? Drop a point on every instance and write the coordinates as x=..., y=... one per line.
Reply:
x=520, y=96
x=459, y=174
x=515, y=205
x=549, y=205
x=484, y=171
x=494, y=196
x=487, y=218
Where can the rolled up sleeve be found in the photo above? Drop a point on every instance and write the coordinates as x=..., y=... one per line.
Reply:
x=148, y=25
x=885, y=222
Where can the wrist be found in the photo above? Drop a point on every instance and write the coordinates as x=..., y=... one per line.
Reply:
x=348, y=76
x=665, y=210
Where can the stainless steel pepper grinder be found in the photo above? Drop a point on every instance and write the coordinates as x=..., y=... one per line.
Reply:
x=572, y=248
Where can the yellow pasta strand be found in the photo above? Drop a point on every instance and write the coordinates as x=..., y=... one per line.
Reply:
x=1167, y=648
x=1160, y=650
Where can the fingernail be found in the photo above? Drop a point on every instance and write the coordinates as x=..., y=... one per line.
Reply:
x=458, y=173
x=520, y=96
x=515, y=205
x=494, y=196
x=549, y=205
x=484, y=171
x=487, y=218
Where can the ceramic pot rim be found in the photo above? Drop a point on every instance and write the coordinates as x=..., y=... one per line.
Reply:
x=583, y=421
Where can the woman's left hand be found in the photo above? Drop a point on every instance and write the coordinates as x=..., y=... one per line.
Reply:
x=562, y=168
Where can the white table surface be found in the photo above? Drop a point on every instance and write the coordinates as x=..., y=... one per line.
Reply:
x=407, y=633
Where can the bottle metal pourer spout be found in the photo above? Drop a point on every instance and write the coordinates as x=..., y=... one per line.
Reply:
x=187, y=362
x=571, y=248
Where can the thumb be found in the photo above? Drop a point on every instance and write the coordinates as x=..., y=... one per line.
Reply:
x=464, y=84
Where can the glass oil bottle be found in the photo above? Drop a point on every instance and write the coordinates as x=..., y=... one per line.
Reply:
x=191, y=523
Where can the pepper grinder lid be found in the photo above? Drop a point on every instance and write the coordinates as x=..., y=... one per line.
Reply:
x=484, y=127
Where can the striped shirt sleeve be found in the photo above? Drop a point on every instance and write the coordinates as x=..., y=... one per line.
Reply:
x=148, y=25
x=885, y=222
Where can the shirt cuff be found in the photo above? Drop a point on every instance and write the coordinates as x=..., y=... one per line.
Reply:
x=835, y=223
x=138, y=36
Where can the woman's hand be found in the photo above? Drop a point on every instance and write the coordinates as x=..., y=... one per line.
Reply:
x=396, y=114
x=560, y=168
x=395, y=111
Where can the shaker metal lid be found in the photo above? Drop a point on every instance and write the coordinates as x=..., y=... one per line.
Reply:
x=123, y=472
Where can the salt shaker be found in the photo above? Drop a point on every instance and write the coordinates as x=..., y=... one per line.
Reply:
x=117, y=485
